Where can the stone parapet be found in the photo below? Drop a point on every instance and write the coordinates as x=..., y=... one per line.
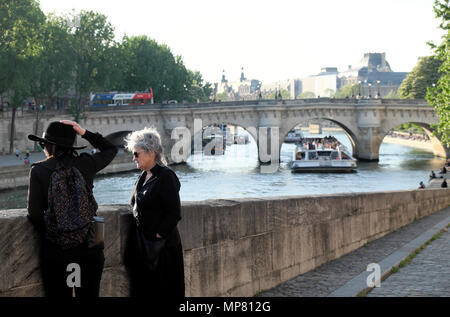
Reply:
x=234, y=247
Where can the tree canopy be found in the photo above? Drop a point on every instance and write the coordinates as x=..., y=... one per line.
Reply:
x=439, y=95
x=423, y=75
x=71, y=56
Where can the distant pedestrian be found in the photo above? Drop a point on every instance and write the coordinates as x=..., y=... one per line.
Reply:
x=17, y=153
x=444, y=184
x=421, y=185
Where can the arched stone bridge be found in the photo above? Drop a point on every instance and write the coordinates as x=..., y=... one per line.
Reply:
x=366, y=122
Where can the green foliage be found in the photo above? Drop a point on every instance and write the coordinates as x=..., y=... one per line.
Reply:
x=93, y=37
x=306, y=94
x=348, y=90
x=222, y=96
x=284, y=94
x=21, y=43
x=439, y=96
x=392, y=95
x=55, y=63
x=410, y=127
x=49, y=57
x=424, y=75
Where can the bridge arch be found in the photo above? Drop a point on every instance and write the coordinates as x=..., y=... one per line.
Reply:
x=197, y=134
x=343, y=125
x=439, y=148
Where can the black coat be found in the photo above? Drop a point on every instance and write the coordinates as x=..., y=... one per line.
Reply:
x=157, y=209
x=40, y=173
x=156, y=204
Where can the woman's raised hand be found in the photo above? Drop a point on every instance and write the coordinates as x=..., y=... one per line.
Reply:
x=75, y=125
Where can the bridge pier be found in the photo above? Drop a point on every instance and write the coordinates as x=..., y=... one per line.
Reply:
x=368, y=144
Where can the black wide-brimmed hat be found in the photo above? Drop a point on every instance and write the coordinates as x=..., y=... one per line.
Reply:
x=59, y=134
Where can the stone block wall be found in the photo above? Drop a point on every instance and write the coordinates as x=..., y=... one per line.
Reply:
x=234, y=247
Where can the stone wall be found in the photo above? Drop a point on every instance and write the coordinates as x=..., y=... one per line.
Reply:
x=235, y=247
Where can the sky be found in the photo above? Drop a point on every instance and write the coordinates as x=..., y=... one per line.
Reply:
x=273, y=40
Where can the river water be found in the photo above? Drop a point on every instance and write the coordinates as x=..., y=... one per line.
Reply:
x=236, y=174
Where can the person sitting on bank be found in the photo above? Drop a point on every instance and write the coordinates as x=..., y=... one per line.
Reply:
x=432, y=175
x=421, y=185
x=443, y=170
x=444, y=184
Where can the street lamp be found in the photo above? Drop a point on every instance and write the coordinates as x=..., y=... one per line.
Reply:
x=185, y=92
x=370, y=91
x=164, y=93
x=359, y=89
x=378, y=88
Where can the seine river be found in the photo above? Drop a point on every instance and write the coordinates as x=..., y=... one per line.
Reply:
x=236, y=174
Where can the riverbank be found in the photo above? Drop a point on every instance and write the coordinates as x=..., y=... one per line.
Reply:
x=16, y=174
x=418, y=144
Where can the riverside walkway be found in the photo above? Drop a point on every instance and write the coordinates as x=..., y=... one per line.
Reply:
x=428, y=274
x=11, y=159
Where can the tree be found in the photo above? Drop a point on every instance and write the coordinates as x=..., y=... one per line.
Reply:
x=348, y=90
x=55, y=63
x=20, y=44
x=423, y=75
x=439, y=96
x=147, y=64
x=222, y=96
x=306, y=95
x=92, y=37
x=392, y=95
x=197, y=90
x=284, y=94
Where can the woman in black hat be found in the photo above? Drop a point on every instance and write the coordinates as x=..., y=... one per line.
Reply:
x=56, y=262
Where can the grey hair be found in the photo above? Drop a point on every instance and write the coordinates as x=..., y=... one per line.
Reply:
x=149, y=140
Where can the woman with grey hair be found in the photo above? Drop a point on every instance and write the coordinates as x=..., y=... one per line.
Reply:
x=156, y=211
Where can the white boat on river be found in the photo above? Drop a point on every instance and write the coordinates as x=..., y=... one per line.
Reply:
x=322, y=155
x=294, y=136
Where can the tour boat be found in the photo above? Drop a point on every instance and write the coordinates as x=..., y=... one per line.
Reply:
x=321, y=155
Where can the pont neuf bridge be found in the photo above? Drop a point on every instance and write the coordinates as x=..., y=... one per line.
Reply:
x=365, y=121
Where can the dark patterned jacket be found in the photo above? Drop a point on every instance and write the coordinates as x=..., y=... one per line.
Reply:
x=87, y=164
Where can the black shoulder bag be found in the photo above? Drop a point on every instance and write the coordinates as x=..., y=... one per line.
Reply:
x=148, y=250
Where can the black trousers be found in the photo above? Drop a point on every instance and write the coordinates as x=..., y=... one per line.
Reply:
x=58, y=274
x=166, y=281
